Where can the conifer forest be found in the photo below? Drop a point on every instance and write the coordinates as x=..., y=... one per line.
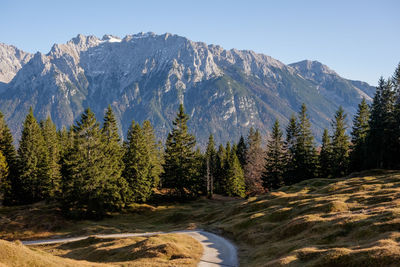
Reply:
x=90, y=171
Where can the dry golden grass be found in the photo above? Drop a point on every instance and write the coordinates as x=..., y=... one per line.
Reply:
x=351, y=221
x=16, y=254
x=161, y=250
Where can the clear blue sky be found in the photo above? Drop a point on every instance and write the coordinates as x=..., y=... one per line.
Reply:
x=360, y=39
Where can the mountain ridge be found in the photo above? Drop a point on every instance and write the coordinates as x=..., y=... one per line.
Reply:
x=146, y=76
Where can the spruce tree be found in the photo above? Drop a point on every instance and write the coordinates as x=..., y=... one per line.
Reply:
x=359, y=134
x=226, y=166
x=234, y=181
x=66, y=140
x=340, y=144
x=292, y=132
x=90, y=186
x=275, y=160
x=137, y=160
x=241, y=151
x=382, y=138
x=53, y=147
x=155, y=150
x=114, y=153
x=375, y=136
x=33, y=179
x=390, y=142
x=255, y=162
x=396, y=88
x=4, y=184
x=220, y=169
x=180, y=166
x=209, y=165
x=325, y=155
x=305, y=155
x=10, y=182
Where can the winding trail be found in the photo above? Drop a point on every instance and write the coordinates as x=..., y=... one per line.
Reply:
x=218, y=251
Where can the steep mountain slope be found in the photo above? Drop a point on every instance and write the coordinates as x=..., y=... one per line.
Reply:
x=11, y=61
x=331, y=85
x=146, y=76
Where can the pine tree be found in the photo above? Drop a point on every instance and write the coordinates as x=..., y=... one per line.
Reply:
x=241, y=151
x=209, y=165
x=66, y=140
x=4, y=184
x=52, y=144
x=114, y=153
x=112, y=142
x=220, y=169
x=180, y=167
x=305, y=156
x=396, y=128
x=137, y=160
x=234, y=180
x=340, y=144
x=155, y=150
x=325, y=155
x=375, y=137
x=255, y=163
x=390, y=142
x=10, y=182
x=275, y=160
x=359, y=134
x=292, y=132
x=33, y=179
x=382, y=138
x=89, y=185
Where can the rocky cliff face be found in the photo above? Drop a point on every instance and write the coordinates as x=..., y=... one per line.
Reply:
x=146, y=76
x=11, y=61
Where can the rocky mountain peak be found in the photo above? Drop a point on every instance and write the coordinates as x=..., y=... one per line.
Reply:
x=11, y=61
x=309, y=67
x=146, y=76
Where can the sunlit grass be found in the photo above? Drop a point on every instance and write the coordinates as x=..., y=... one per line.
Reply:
x=331, y=222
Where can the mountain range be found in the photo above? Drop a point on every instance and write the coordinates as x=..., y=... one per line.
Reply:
x=146, y=76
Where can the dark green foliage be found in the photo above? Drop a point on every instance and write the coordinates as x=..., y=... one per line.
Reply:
x=234, y=184
x=292, y=131
x=255, y=163
x=9, y=182
x=340, y=144
x=90, y=185
x=241, y=151
x=181, y=166
x=138, y=164
x=305, y=155
x=325, y=156
x=210, y=166
x=33, y=180
x=155, y=150
x=66, y=140
x=4, y=184
x=229, y=172
x=225, y=167
x=382, y=139
x=275, y=160
x=52, y=144
x=396, y=88
x=220, y=169
x=113, y=149
x=359, y=134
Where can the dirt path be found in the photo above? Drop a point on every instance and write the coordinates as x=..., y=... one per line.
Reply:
x=218, y=251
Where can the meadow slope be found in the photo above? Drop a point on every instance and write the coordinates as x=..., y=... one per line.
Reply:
x=350, y=221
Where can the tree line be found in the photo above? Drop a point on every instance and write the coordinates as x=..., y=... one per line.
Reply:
x=90, y=171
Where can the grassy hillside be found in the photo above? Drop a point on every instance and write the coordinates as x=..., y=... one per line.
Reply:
x=352, y=221
x=163, y=250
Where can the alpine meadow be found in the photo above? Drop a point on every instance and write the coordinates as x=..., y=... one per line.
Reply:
x=156, y=150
